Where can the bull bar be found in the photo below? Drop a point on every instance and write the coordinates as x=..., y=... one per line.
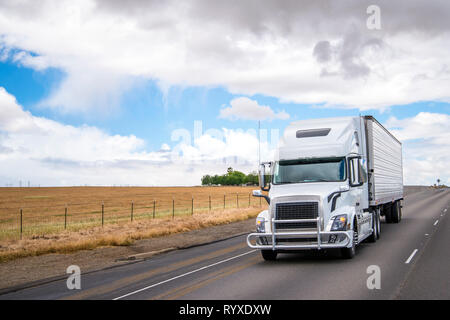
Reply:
x=318, y=234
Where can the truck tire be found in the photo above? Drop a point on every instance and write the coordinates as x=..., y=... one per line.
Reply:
x=387, y=210
x=269, y=255
x=396, y=214
x=349, y=253
x=373, y=237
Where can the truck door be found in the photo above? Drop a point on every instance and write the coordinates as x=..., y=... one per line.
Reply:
x=356, y=181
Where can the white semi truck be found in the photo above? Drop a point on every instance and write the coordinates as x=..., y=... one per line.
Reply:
x=330, y=182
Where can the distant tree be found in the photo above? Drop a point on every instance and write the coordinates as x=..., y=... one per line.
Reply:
x=231, y=178
x=235, y=178
x=215, y=179
x=252, y=178
x=206, y=180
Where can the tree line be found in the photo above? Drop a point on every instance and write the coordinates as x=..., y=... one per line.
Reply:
x=231, y=178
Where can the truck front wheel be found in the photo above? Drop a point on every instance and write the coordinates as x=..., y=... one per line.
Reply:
x=269, y=255
x=374, y=236
x=378, y=224
x=349, y=253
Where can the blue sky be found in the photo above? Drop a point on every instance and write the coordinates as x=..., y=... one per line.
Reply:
x=145, y=111
x=107, y=100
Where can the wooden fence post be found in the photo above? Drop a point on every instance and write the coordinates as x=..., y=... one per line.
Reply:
x=21, y=223
x=132, y=209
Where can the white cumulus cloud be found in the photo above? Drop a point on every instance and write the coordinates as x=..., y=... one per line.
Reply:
x=248, y=109
x=50, y=153
x=426, y=146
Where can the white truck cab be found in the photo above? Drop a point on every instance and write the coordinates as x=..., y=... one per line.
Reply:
x=330, y=182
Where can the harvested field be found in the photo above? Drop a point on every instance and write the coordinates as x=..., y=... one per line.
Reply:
x=34, y=221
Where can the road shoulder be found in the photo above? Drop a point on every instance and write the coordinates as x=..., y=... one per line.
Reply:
x=30, y=271
x=430, y=277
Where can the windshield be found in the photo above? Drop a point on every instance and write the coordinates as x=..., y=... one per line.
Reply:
x=309, y=170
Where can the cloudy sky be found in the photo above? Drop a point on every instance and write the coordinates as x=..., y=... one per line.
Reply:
x=162, y=92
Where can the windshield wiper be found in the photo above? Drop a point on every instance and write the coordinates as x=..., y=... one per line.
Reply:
x=307, y=180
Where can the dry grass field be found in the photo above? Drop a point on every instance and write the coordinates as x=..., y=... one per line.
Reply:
x=41, y=220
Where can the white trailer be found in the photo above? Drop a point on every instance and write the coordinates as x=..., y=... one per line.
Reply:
x=331, y=181
x=384, y=165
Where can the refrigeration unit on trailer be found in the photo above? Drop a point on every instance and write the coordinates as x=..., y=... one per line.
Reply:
x=330, y=182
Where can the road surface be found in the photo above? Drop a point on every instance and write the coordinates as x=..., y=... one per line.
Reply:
x=413, y=257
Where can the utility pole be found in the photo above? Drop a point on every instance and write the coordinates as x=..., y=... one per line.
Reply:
x=259, y=143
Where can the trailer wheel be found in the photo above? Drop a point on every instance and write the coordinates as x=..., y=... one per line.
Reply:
x=269, y=255
x=396, y=213
x=387, y=210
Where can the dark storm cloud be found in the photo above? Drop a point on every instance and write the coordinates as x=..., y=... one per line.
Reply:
x=267, y=17
x=315, y=23
x=322, y=51
x=291, y=16
x=343, y=57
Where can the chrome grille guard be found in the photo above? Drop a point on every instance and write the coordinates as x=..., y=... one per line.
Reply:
x=317, y=233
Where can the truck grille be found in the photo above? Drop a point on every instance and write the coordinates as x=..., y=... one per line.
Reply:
x=297, y=210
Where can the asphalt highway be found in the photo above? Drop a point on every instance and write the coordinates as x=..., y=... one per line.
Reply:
x=413, y=259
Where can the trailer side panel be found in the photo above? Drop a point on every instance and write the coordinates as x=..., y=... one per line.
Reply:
x=384, y=164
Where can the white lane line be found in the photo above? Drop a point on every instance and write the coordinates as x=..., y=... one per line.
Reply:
x=436, y=222
x=183, y=275
x=411, y=256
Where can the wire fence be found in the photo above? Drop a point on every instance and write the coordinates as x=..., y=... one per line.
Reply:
x=38, y=221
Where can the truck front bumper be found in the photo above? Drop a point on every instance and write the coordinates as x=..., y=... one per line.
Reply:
x=298, y=240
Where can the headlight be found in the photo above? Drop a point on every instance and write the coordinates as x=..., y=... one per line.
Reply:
x=339, y=223
x=260, y=225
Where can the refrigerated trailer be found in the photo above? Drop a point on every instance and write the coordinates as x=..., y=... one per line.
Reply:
x=330, y=183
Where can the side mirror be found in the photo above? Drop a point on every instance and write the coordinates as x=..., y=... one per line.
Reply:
x=258, y=193
x=262, y=171
x=262, y=176
x=354, y=171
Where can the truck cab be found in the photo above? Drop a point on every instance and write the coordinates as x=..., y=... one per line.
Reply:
x=318, y=190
